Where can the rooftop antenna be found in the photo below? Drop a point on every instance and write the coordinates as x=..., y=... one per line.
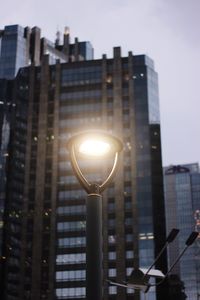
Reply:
x=66, y=41
x=58, y=34
x=66, y=30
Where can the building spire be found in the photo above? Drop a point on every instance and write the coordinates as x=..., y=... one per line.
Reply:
x=57, y=41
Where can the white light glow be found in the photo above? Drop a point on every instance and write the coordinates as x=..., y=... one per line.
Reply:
x=94, y=148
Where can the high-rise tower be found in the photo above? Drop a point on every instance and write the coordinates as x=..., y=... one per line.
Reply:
x=182, y=202
x=44, y=257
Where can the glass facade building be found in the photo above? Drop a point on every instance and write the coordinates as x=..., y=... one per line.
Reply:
x=13, y=53
x=53, y=102
x=182, y=201
x=19, y=47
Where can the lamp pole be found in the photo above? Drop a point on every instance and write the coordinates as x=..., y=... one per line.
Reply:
x=94, y=202
x=94, y=246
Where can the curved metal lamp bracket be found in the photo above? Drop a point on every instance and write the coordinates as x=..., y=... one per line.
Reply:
x=83, y=181
x=92, y=187
x=103, y=186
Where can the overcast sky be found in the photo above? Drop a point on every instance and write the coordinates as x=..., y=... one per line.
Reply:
x=166, y=30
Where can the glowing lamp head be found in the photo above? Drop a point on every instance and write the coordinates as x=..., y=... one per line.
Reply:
x=94, y=147
x=95, y=144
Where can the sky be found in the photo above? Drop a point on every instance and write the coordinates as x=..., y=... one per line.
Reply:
x=166, y=30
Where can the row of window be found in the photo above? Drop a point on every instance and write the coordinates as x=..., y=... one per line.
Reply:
x=74, y=242
x=70, y=275
x=83, y=108
x=94, y=95
x=70, y=210
x=72, y=258
x=81, y=225
x=84, y=164
x=71, y=226
x=78, y=292
x=70, y=179
x=89, y=69
x=77, y=275
x=74, y=194
x=80, y=194
x=78, y=258
x=81, y=209
x=90, y=94
x=77, y=122
x=82, y=81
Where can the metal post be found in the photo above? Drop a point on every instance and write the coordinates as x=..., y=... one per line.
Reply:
x=94, y=247
x=93, y=206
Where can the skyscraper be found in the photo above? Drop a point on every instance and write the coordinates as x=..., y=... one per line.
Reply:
x=182, y=203
x=19, y=47
x=44, y=241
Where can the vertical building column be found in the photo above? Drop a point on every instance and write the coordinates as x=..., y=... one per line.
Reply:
x=104, y=93
x=52, y=254
x=158, y=206
x=28, y=44
x=24, y=258
x=66, y=42
x=35, y=46
x=119, y=183
x=40, y=182
x=105, y=199
x=133, y=165
x=76, y=50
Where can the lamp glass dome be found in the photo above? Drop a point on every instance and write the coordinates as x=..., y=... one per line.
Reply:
x=94, y=144
x=94, y=147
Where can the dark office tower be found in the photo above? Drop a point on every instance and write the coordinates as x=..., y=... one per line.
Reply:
x=13, y=148
x=19, y=47
x=182, y=199
x=13, y=51
x=5, y=114
x=119, y=95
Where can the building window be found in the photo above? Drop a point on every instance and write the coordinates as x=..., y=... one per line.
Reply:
x=112, y=255
x=112, y=290
x=128, y=271
x=111, y=206
x=128, y=221
x=112, y=272
x=129, y=237
x=111, y=239
x=111, y=223
x=129, y=254
x=128, y=205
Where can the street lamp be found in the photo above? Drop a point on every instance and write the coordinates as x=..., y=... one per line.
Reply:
x=94, y=145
